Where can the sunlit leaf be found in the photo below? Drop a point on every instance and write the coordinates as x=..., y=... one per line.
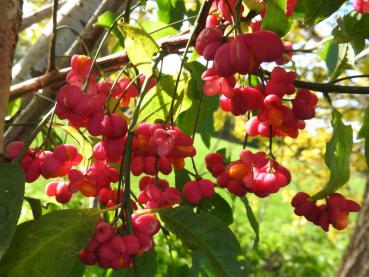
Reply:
x=140, y=46
x=337, y=156
x=275, y=18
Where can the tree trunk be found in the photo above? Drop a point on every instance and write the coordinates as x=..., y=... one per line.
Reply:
x=10, y=20
x=355, y=260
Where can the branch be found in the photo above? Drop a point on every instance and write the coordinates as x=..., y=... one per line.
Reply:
x=169, y=45
x=108, y=63
x=41, y=14
x=331, y=88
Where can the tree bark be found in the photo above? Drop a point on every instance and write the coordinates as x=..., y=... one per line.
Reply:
x=356, y=257
x=38, y=106
x=10, y=20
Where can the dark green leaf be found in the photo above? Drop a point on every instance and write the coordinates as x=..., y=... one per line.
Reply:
x=170, y=11
x=140, y=47
x=337, y=156
x=78, y=270
x=208, y=235
x=181, y=178
x=35, y=205
x=106, y=20
x=318, y=10
x=275, y=18
x=146, y=265
x=218, y=207
x=364, y=134
x=222, y=151
x=200, y=265
x=252, y=220
x=49, y=246
x=11, y=199
x=177, y=270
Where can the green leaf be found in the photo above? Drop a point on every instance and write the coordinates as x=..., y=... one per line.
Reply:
x=337, y=156
x=146, y=265
x=49, y=246
x=152, y=28
x=208, y=235
x=218, y=207
x=353, y=28
x=156, y=104
x=106, y=20
x=318, y=10
x=200, y=265
x=78, y=270
x=181, y=178
x=275, y=18
x=330, y=55
x=209, y=105
x=194, y=56
x=170, y=11
x=35, y=205
x=346, y=60
x=252, y=220
x=364, y=134
x=13, y=108
x=338, y=58
x=12, y=182
x=140, y=47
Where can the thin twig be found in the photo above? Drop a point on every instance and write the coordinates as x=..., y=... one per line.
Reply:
x=51, y=62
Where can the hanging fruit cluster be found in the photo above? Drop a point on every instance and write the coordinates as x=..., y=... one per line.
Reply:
x=274, y=108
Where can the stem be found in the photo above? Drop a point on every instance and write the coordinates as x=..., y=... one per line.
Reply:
x=51, y=63
x=127, y=12
x=201, y=18
x=99, y=50
x=125, y=91
x=126, y=205
x=245, y=142
x=173, y=24
x=77, y=34
x=194, y=131
x=115, y=84
x=349, y=78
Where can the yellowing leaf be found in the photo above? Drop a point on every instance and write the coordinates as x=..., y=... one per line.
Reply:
x=140, y=47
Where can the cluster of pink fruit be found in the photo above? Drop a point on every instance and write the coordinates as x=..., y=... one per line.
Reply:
x=274, y=117
x=111, y=247
x=254, y=172
x=334, y=212
x=242, y=54
x=38, y=162
x=157, y=148
x=361, y=6
x=156, y=193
